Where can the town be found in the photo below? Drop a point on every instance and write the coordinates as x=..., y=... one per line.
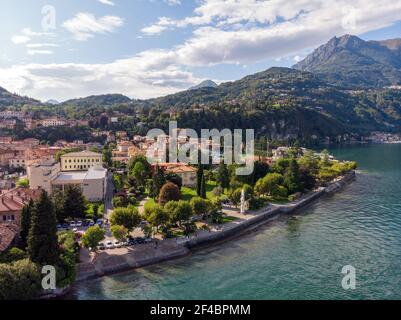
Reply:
x=112, y=197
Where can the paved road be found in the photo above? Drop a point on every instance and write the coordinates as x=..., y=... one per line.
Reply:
x=108, y=202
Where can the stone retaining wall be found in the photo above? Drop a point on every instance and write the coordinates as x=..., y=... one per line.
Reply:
x=117, y=263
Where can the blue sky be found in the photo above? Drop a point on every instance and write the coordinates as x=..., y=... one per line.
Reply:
x=148, y=48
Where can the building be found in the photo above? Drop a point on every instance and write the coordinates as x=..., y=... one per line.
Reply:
x=52, y=122
x=6, y=155
x=91, y=182
x=186, y=172
x=8, y=234
x=80, y=161
x=40, y=175
x=12, y=202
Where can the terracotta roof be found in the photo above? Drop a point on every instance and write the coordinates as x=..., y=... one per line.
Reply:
x=7, y=236
x=81, y=154
x=16, y=199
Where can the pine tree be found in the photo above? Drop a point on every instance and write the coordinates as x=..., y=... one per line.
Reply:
x=42, y=238
x=26, y=216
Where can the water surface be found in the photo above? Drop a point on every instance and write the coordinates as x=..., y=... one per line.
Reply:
x=292, y=258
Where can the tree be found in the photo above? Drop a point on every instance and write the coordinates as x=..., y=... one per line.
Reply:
x=199, y=177
x=92, y=237
x=292, y=177
x=23, y=183
x=269, y=184
x=261, y=170
x=19, y=280
x=235, y=197
x=42, y=238
x=127, y=217
x=26, y=216
x=203, y=187
x=223, y=176
x=158, y=181
x=157, y=216
x=142, y=159
x=74, y=202
x=119, y=232
x=107, y=156
x=138, y=172
x=58, y=203
x=174, y=178
x=169, y=192
x=199, y=205
x=182, y=212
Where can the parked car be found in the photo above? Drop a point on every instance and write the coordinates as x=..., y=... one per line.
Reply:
x=73, y=224
x=85, y=224
x=91, y=224
x=118, y=244
x=59, y=227
x=109, y=245
x=101, y=246
x=66, y=226
x=79, y=224
x=99, y=222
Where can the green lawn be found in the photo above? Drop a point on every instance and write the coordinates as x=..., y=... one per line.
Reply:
x=227, y=219
x=189, y=193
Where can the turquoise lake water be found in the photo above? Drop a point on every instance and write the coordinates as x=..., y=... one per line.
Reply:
x=293, y=258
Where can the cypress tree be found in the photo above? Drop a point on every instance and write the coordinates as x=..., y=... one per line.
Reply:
x=203, y=187
x=26, y=216
x=224, y=179
x=42, y=238
x=199, y=177
x=159, y=181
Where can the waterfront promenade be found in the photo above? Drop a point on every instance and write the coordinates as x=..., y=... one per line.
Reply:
x=123, y=259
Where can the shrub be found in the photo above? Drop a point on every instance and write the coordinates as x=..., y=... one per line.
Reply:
x=19, y=280
x=199, y=205
x=169, y=192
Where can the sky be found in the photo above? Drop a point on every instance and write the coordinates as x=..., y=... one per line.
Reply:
x=58, y=49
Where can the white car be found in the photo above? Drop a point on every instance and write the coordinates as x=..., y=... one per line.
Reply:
x=118, y=244
x=109, y=245
x=73, y=224
x=79, y=224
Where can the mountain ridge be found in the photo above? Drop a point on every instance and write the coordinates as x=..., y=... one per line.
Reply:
x=352, y=62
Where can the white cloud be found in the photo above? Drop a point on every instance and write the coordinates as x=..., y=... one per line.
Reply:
x=172, y=2
x=152, y=30
x=148, y=74
x=108, y=2
x=41, y=45
x=18, y=39
x=85, y=25
x=225, y=32
x=246, y=31
x=33, y=52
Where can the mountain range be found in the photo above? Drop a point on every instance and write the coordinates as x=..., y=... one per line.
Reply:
x=339, y=90
x=352, y=62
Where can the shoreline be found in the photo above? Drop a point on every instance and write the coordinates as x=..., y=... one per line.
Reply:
x=169, y=249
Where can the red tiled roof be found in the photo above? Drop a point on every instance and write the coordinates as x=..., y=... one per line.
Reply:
x=16, y=199
x=7, y=236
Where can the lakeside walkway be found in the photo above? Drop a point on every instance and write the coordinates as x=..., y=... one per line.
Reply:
x=110, y=261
